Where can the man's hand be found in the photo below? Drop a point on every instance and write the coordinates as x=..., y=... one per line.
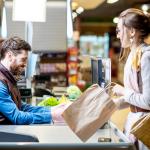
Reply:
x=58, y=106
x=56, y=111
x=56, y=115
x=118, y=90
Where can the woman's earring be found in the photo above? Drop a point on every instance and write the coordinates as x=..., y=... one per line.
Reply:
x=131, y=40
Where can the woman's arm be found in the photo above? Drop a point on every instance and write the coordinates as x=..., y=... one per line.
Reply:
x=141, y=100
x=121, y=103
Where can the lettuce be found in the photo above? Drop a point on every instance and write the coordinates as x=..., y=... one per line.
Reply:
x=49, y=102
x=74, y=92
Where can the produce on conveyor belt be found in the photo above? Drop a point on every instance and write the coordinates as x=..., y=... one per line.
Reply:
x=74, y=92
x=49, y=102
x=53, y=102
x=63, y=99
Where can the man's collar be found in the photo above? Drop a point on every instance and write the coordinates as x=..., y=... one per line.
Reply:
x=8, y=74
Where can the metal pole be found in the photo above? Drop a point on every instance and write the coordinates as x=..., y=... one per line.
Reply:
x=2, y=5
x=3, y=21
x=28, y=38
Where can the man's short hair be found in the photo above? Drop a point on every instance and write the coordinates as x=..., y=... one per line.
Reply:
x=14, y=45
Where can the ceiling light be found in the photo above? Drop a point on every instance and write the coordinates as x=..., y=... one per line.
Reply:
x=79, y=10
x=111, y=1
x=74, y=15
x=144, y=7
x=115, y=20
x=74, y=4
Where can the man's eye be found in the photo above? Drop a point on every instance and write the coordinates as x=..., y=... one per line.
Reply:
x=117, y=31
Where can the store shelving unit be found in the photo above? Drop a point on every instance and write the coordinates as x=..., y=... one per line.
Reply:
x=55, y=65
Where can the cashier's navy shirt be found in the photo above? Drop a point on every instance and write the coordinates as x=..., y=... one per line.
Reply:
x=28, y=114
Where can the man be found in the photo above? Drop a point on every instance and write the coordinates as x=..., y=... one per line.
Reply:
x=14, y=55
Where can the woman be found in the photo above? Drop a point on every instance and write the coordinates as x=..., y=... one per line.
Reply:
x=133, y=27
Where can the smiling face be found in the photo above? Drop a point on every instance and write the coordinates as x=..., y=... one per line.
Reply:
x=123, y=33
x=18, y=62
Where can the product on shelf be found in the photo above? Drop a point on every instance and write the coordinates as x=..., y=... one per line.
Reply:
x=72, y=65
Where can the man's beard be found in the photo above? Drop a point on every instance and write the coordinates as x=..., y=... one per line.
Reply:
x=15, y=72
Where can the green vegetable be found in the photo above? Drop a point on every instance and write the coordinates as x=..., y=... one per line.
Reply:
x=40, y=104
x=74, y=92
x=63, y=99
x=49, y=102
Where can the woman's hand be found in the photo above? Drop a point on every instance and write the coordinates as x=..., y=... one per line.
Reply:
x=118, y=90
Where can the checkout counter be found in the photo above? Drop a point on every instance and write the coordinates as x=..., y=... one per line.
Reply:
x=59, y=136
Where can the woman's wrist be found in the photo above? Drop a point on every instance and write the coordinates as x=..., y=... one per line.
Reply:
x=123, y=92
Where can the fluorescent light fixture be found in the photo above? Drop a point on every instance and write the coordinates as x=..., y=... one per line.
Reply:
x=69, y=21
x=144, y=7
x=74, y=15
x=111, y=1
x=79, y=10
x=4, y=25
x=115, y=20
x=29, y=10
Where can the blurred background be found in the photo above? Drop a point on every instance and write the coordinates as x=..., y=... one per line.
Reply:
x=60, y=44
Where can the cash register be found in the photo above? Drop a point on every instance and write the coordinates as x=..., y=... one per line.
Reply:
x=26, y=95
x=41, y=88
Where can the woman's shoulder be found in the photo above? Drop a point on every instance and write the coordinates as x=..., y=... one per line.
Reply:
x=146, y=53
x=146, y=57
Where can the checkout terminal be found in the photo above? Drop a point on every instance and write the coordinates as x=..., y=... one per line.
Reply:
x=59, y=136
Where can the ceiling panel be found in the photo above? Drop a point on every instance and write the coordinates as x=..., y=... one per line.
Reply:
x=88, y=4
x=106, y=10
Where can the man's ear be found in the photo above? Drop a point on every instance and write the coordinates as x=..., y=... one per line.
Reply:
x=132, y=32
x=10, y=56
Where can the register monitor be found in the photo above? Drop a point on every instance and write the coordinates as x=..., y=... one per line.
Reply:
x=25, y=93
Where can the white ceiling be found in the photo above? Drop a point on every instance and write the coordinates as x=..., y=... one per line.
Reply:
x=88, y=4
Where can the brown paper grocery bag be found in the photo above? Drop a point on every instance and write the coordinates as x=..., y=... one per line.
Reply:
x=89, y=112
x=141, y=129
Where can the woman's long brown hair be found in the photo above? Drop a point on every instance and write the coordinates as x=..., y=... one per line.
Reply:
x=135, y=18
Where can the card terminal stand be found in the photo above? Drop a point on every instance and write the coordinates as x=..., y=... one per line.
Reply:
x=101, y=72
